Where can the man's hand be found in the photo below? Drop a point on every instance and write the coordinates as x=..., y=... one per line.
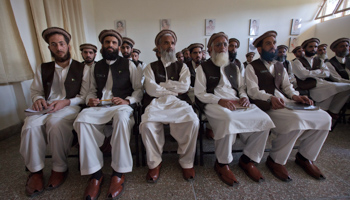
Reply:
x=227, y=104
x=39, y=104
x=244, y=101
x=303, y=99
x=93, y=102
x=277, y=103
x=120, y=101
x=59, y=104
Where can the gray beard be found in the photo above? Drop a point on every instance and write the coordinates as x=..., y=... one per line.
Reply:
x=220, y=59
x=323, y=56
x=167, y=56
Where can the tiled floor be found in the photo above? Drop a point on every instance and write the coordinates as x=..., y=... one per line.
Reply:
x=334, y=161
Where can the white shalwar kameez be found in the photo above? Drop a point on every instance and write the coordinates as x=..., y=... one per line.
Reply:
x=54, y=129
x=311, y=127
x=166, y=108
x=252, y=124
x=334, y=74
x=91, y=121
x=328, y=95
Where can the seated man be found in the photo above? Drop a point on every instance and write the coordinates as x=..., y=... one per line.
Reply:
x=233, y=45
x=322, y=52
x=339, y=65
x=249, y=57
x=282, y=57
x=180, y=56
x=135, y=55
x=166, y=102
x=298, y=53
x=220, y=88
x=311, y=72
x=60, y=85
x=88, y=52
x=196, y=50
x=114, y=81
x=187, y=55
x=268, y=85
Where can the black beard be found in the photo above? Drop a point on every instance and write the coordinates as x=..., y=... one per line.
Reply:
x=89, y=61
x=281, y=58
x=198, y=62
x=127, y=55
x=310, y=54
x=232, y=56
x=63, y=59
x=109, y=55
x=187, y=59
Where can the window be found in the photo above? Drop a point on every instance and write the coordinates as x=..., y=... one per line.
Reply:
x=331, y=9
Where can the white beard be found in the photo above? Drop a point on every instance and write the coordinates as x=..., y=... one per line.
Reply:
x=168, y=56
x=323, y=56
x=220, y=59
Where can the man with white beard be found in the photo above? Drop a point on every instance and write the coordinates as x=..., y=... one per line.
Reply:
x=339, y=65
x=220, y=88
x=322, y=52
x=166, y=83
x=268, y=84
x=310, y=72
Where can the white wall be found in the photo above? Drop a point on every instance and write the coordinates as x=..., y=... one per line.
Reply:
x=331, y=30
x=188, y=19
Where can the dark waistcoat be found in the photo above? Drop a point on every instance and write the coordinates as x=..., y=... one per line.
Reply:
x=122, y=86
x=266, y=81
x=340, y=68
x=73, y=80
x=308, y=83
x=212, y=75
x=160, y=73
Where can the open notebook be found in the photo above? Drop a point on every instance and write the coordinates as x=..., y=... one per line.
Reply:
x=30, y=112
x=300, y=106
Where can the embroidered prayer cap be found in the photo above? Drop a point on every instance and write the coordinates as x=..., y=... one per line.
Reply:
x=164, y=32
x=282, y=46
x=128, y=40
x=155, y=49
x=216, y=35
x=195, y=45
x=178, y=53
x=340, y=40
x=250, y=53
x=296, y=49
x=136, y=51
x=184, y=50
x=234, y=40
x=306, y=42
x=88, y=46
x=322, y=45
x=258, y=41
x=52, y=30
x=110, y=32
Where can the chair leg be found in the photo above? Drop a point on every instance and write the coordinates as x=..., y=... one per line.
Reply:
x=137, y=150
x=143, y=154
x=201, y=133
